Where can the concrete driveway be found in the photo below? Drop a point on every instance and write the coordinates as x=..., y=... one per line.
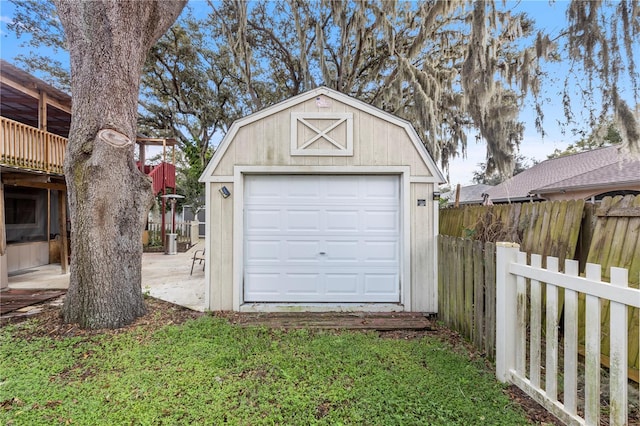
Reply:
x=164, y=277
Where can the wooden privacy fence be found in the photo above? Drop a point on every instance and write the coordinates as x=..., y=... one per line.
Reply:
x=548, y=229
x=466, y=267
x=466, y=284
x=466, y=289
x=524, y=318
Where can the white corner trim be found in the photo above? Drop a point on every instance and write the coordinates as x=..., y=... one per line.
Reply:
x=405, y=272
x=208, y=249
x=238, y=238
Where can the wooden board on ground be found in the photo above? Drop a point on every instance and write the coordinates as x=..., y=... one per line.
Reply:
x=335, y=320
x=14, y=299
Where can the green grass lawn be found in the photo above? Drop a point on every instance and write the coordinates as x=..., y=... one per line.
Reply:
x=209, y=372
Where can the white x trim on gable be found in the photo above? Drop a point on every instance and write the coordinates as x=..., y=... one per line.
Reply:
x=339, y=136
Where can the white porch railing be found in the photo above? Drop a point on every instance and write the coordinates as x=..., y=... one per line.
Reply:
x=182, y=229
x=519, y=290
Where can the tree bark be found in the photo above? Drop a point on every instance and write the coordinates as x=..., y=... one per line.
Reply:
x=108, y=197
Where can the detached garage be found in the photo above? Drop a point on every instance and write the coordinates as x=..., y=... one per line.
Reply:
x=321, y=202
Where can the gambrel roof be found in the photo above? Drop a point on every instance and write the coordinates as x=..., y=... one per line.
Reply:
x=315, y=94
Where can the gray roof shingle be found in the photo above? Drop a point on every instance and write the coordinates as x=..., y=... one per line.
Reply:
x=604, y=164
x=470, y=194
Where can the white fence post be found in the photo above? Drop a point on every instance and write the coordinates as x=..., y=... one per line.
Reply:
x=618, y=353
x=592, y=348
x=506, y=303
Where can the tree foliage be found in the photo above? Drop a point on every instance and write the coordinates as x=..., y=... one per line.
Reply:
x=445, y=66
x=37, y=21
x=603, y=38
x=485, y=176
x=188, y=90
x=605, y=135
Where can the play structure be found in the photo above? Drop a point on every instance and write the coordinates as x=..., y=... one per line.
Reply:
x=163, y=175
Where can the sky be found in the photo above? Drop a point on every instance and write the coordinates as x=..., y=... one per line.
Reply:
x=549, y=16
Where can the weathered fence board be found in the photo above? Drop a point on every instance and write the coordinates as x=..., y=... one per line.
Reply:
x=467, y=302
x=547, y=229
x=478, y=319
x=616, y=243
x=182, y=229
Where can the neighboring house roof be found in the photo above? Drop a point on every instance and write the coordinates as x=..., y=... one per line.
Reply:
x=616, y=174
x=470, y=194
x=567, y=172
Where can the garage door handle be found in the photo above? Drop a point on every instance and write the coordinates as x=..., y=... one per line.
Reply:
x=322, y=253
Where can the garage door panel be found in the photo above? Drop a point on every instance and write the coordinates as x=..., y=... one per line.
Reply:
x=340, y=188
x=379, y=252
x=381, y=188
x=342, y=251
x=342, y=220
x=297, y=251
x=297, y=188
x=302, y=220
x=381, y=284
x=263, y=220
x=303, y=284
x=342, y=284
x=261, y=189
x=338, y=239
x=264, y=251
x=264, y=283
x=380, y=221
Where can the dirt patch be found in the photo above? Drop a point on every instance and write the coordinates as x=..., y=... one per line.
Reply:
x=48, y=323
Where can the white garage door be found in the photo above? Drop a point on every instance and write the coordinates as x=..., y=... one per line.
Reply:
x=322, y=238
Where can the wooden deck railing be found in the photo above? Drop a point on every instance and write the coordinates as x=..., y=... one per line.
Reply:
x=26, y=147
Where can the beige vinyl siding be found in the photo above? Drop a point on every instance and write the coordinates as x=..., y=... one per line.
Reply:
x=376, y=142
x=220, y=247
x=423, y=284
x=27, y=255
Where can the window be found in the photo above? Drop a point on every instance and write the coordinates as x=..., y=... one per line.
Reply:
x=25, y=212
x=20, y=211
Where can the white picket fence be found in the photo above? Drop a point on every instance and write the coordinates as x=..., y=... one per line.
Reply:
x=519, y=290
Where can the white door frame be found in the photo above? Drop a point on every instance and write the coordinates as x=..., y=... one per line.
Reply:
x=239, y=173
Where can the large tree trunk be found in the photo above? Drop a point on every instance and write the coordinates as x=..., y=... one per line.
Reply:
x=108, y=197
